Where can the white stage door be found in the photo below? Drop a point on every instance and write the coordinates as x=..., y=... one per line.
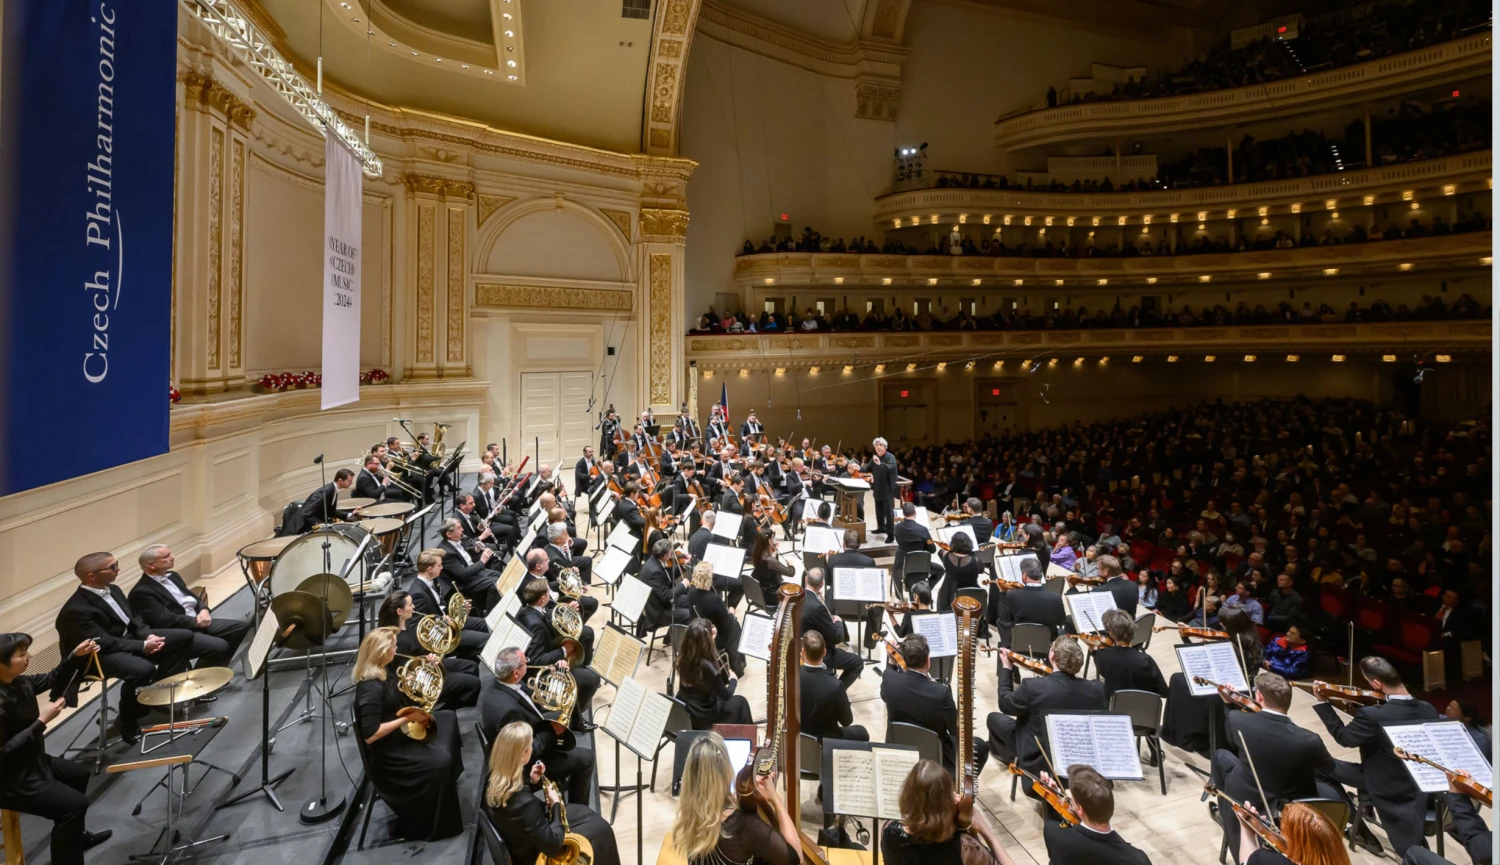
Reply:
x=554, y=415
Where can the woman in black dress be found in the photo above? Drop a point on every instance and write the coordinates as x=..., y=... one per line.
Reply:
x=927, y=832
x=460, y=675
x=711, y=828
x=35, y=782
x=417, y=778
x=766, y=568
x=960, y=570
x=527, y=826
x=1172, y=601
x=704, y=603
x=709, y=700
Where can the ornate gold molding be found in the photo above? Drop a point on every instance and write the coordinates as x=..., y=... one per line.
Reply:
x=667, y=74
x=657, y=223
x=205, y=93
x=426, y=227
x=236, y=251
x=215, y=238
x=456, y=284
x=443, y=186
x=661, y=325
x=493, y=295
x=488, y=204
x=621, y=219
x=873, y=101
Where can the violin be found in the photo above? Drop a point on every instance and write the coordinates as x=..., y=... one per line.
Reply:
x=1075, y=579
x=892, y=607
x=1230, y=695
x=1099, y=641
x=1001, y=584
x=1345, y=694
x=1040, y=667
x=892, y=650
x=1190, y=631
x=1463, y=782
x=1052, y=795
x=1262, y=826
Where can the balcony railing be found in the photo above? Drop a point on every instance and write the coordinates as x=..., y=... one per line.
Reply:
x=1461, y=58
x=1466, y=172
x=1449, y=253
x=1231, y=343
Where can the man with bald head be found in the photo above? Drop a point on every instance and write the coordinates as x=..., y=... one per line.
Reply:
x=129, y=649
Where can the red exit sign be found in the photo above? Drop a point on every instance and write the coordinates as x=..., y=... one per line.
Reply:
x=904, y=393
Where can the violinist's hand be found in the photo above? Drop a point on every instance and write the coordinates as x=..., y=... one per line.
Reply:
x=1005, y=659
x=1453, y=782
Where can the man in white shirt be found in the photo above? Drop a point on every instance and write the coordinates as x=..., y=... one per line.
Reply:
x=163, y=600
x=507, y=699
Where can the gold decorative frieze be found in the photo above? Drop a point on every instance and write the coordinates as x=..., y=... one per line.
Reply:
x=443, y=186
x=663, y=223
x=664, y=93
x=666, y=74
x=456, y=284
x=851, y=341
x=215, y=239
x=661, y=325
x=679, y=12
x=236, y=251
x=492, y=295
x=488, y=204
x=874, y=101
x=671, y=48
x=426, y=227
x=621, y=219
x=205, y=93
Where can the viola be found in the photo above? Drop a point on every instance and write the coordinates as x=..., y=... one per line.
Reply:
x=1040, y=667
x=1268, y=831
x=892, y=650
x=1052, y=795
x=1463, y=782
x=1075, y=579
x=1190, y=631
x=1345, y=694
x=1230, y=695
x=1099, y=641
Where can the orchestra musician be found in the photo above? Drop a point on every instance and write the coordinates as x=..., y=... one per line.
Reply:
x=474, y=530
x=912, y=696
x=546, y=649
x=822, y=517
x=1124, y=667
x=712, y=829
x=751, y=427
x=467, y=569
x=162, y=599
x=370, y=483
x=703, y=602
x=430, y=592
x=1021, y=721
x=1030, y=603
x=1126, y=591
x=319, y=507
x=794, y=496
x=974, y=517
x=507, y=699
x=817, y=617
x=702, y=536
x=960, y=569
x=707, y=691
x=606, y=473
x=608, y=427
x=767, y=569
x=1093, y=840
x=1379, y=776
x=686, y=426
x=563, y=550
x=35, y=782
x=928, y=833
x=417, y=778
x=502, y=521
x=129, y=649
x=686, y=491
x=1310, y=837
x=882, y=469
x=910, y=536
x=526, y=824
x=460, y=675
x=669, y=461
x=851, y=557
x=584, y=471
x=661, y=606
x=719, y=473
x=825, y=710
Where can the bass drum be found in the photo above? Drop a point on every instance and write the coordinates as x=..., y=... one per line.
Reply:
x=303, y=558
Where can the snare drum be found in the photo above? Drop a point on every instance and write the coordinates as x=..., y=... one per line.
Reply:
x=303, y=558
x=256, y=559
x=387, y=531
x=387, y=509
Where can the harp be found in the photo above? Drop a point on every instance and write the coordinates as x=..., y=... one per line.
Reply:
x=966, y=611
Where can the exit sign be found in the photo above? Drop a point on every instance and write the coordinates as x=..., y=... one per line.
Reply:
x=994, y=391
x=903, y=394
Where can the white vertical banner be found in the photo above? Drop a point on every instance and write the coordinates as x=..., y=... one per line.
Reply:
x=343, y=187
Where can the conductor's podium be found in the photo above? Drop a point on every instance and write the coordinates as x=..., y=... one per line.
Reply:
x=836, y=855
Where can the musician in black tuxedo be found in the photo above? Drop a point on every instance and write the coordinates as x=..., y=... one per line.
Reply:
x=629, y=513
x=825, y=710
x=430, y=593
x=1379, y=774
x=1288, y=758
x=882, y=469
x=319, y=507
x=822, y=515
x=721, y=469
x=507, y=699
x=162, y=599
x=474, y=529
x=467, y=568
x=1122, y=666
x=1092, y=841
x=559, y=551
x=817, y=617
x=751, y=427
x=730, y=500
x=504, y=523
x=702, y=537
x=851, y=557
x=975, y=518
x=1125, y=591
x=129, y=649
x=1021, y=721
x=546, y=649
x=661, y=607
x=583, y=479
x=911, y=696
x=370, y=485
x=911, y=536
x=1030, y=603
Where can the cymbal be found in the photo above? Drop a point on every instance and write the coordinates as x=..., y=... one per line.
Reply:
x=307, y=613
x=387, y=509
x=353, y=502
x=337, y=592
x=188, y=686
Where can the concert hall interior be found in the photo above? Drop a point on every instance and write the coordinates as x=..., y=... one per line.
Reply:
x=617, y=432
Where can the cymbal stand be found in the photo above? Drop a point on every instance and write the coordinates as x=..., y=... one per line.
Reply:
x=267, y=783
x=173, y=733
x=324, y=807
x=170, y=832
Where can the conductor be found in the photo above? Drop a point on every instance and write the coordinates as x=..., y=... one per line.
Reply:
x=882, y=469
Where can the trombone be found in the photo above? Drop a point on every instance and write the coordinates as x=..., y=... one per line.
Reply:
x=400, y=484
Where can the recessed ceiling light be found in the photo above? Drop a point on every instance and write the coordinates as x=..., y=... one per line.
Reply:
x=437, y=60
x=489, y=72
x=510, y=63
x=392, y=44
x=505, y=15
x=510, y=33
x=510, y=48
x=345, y=5
x=511, y=77
x=465, y=66
x=355, y=20
x=414, y=54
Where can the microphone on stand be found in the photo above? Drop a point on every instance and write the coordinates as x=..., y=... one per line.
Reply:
x=318, y=460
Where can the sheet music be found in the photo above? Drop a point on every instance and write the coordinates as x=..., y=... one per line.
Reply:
x=854, y=790
x=849, y=483
x=727, y=561
x=1216, y=662
x=525, y=544
x=946, y=534
x=511, y=576
x=508, y=635
x=727, y=525
x=612, y=565
x=1445, y=742
x=1104, y=742
x=922, y=516
x=649, y=724
x=630, y=599
x=510, y=602
x=538, y=521
x=260, y=647
x=859, y=584
x=892, y=765
x=1009, y=567
x=941, y=632
x=1055, y=570
x=822, y=541
x=621, y=538
x=1088, y=609
x=627, y=705
x=755, y=636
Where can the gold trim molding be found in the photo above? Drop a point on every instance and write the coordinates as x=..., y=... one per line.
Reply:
x=456, y=284
x=657, y=222
x=426, y=228
x=215, y=239
x=667, y=74
x=492, y=295
x=441, y=186
x=488, y=204
x=236, y=251
x=205, y=93
x=621, y=219
x=661, y=324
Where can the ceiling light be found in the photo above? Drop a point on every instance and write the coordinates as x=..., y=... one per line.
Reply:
x=1208, y=358
x=1028, y=221
x=1296, y=208
x=1264, y=274
x=1249, y=358
x=1330, y=271
x=969, y=365
x=1487, y=259
x=510, y=48
x=1408, y=194
x=1205, y=278
x=1443, y=358
x=1335, y=215
x=1265, y=221
x=1202, y=215
x=1136, y=359
x=512, y=77
x=1095, y=221
x=464, y=66
x=489, y=72
x=1230, y=212
x=744, y=371
x=1104, y=282
x=1173, y=217
x=963, y=219
x=812, y=370
x=885, y=281
x=1171, y=358
x=1077, y=361
x=932, y=280
x=1150, y=280
x=999, y=363
x=1369, y=200
x=897, y=221
x=414, y=54
x=770, y=280
x=986, y=219
x=1070, y=221
x=392, y=44
x=1331, y=204
x=1388, y=358
x=1264, y=211
x=942, y=365
x=1293, y=358
x=1057, y=282
x=1416, y=205
x=848, y=369
x=781, y=370
x=511, y=63
x=505, y=15
x=1052, y=362
x=911, y=367
x=880, y=367
x=1338, y=358
x=838, y=280
x=510, y=34
x=1047, y=221
x=1449, y=189
x=1122, y=220
x=1405, y=265
x=344, y=5
x=437, y=59
x=1019, y=282
x=1202, y=225
x=975, y=282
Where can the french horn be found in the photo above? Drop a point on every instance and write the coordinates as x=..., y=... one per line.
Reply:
x=458, y=610
x=570, y=583
x=437, y=636
x=421, y=680
x=569, y=626
x=576, y=848
x=554, y=690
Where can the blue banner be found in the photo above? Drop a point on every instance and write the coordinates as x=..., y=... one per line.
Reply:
x=87, y=131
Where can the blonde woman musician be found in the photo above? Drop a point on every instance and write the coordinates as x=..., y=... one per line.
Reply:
x=711, y=828
x=528, y=826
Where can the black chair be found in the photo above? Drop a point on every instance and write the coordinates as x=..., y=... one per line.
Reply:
x=674, y=639
x=1031, y=639
x=1143, y=625
x=924, y=740
x=678, y=723
x=755, y=597
x=485, y=828
x=480, y=820
x=917, y=564
x=364, y=762
x=1144, y=709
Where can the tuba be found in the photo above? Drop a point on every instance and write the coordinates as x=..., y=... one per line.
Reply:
x=420, y=679
x=569, y=583
x=569, y=627
x=438, y=447
x=576, y=848
x=555, y=690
